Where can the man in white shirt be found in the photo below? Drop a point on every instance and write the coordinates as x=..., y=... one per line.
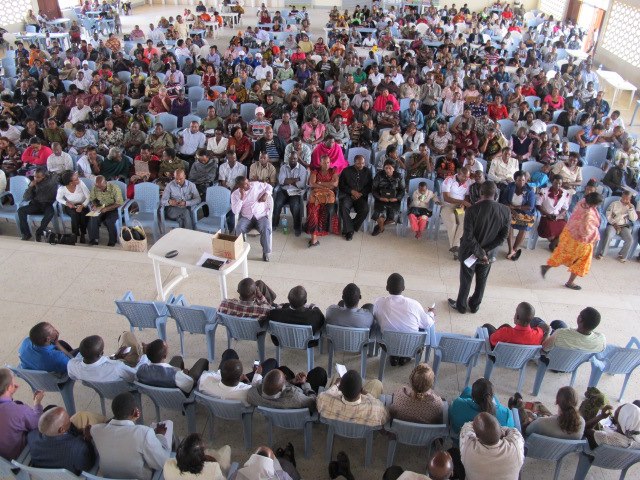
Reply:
x=260, y=72
x=502, y=169
x=91, y=365
x=249, y=201
x=80, y=112
x=127, y=450
x=490, y=451
x=9, y=131
x=292, y=180
x=228, y=382
x=59, y=161
x=399, y=313
x=375, y=77
x=227, y=174
x=455, y=190
x=190, y=141
x=156, y=36
x=369, y=41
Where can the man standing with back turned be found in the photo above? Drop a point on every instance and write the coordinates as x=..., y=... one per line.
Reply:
x=486, y=226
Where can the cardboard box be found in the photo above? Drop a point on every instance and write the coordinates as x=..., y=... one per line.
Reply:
x=227, y=246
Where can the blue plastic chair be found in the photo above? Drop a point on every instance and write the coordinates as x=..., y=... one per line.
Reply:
x=415, y=434
x=202, y=106
x=615, y=360
x=10, y=471
x=506, y=127
x=171, y=399
x=296, y=337
x=531, y=166
x=347, y=339
x=458, y=349
x=552, y=449
x=228, y=410
x=218, y=199
x=166, y=223
x=146, y=196
x=434, y=222
x=563, y=360
x=239, y=328
x=168, y=121
x=45, y=473
x=248, y=111
x=218, y=88
x=287, y=85
x=17, y=186
x=110, y=390
x=353, y=151
x=125, y=76
x=290, y=419
x=607, y=457
x=349, y=430
x=194, y=80
x=508, y=355
x=195, y=95
x=402, y=344
x=196, y=319
x=596, y=155
x=144, y=314
x=48, y=382
x=531, y=99
x=572, y=131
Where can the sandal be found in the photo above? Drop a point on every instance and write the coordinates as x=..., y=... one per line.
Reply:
x=544, y=269
x=314, y=244
x=516, y=256
x=573, y=286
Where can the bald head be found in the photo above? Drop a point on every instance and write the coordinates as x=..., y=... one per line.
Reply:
x=487, y=428
x=230, y=372
x=441, y=466
x=54, y=422
x=273, y=382
x=247, y=289
x=91, y=349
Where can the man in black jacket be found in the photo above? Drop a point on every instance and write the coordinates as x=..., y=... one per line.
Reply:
x=354, y=188
x=41, y=194
x=297, y=312
x=486, y=226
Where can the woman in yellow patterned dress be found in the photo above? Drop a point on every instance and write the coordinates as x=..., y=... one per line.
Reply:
x=577, y=240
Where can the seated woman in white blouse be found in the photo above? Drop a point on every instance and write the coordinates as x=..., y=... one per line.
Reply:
x=73, y=195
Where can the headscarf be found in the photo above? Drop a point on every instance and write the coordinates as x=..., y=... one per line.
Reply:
x=257, y=468
x=629, y=421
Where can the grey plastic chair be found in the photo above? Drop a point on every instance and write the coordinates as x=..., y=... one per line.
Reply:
x=48, y=382
x=401, y=344
x=296, y=337
x=346, y=339
x=45, y=473
x=17, y=186
x=561, y=360
x=144, y=314
x=290, y=419
x=239, y=328
x=8, y=470
x=218, y=199
x=196, y=319
x=349, y=430
x=171, y=399
x=508, y=355
x=110, y=390
x=607, y=457
x=553, y=449
x=416, y=434
x=615, y=360
x=458, y=349
x=232, y=410
x=146, y=196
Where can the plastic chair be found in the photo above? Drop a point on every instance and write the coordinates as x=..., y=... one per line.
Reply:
x=531, y=166
x=574, y=147
x=202, y=106
x=218, y=88
x=166, y=223
x=45, y=473
x=458, y=349
x=434, y=221
x=616, y=360
x=404, y=104
x=572, y=131
x=146, y=196
x=171, y=399
x=218, y=199
x=415, y=434
x=506, y=127
x=607, y=457
x=248, y=111
x=125, y=76
x=349, y=430
x=561, y=359
x=290, y=419
x=287, y=85
x=296, y=337
x=194, y=80
x=531, y=99
x=347, y=339
x=17, y=186
x=144, y=314
x=48, y=382
x=596, y=155
x=239, y=328
x=168, y=121
x=195, y=94
x=508, y=355
x=553, y=449
x=589, y=172
x=7, y=470
x=365, y=152
x=403, y=344
x=90, y=476
x=110, y=390
x=187, y=119
x=195, y=319
x=228, y=410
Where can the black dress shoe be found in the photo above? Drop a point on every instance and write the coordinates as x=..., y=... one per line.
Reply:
x=348, y=236
x=111, y=244
x=82, y=238
x=376, y=231
x=93, y=243
x=297, y=233
x=453, y=304
x=265, y=257
x=39, y=236
x=26, y=237
x=393, y=361
x=473, y=309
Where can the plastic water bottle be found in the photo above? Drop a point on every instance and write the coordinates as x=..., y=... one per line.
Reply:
x=285, y=226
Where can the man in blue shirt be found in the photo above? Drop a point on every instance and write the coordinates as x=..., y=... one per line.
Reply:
x=43, y=350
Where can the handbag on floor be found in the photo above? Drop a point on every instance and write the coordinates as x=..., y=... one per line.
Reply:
x=133, y=239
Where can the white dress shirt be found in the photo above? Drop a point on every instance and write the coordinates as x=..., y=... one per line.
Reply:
x=260, y=72
x=298, y=172
x=455, y=190
x=127, y=450
x=228, y=174
x=104, y=370
x=77, y=115
x=192, y=142
x=501, y=172
x=401, y=314
x=250, y=207
x=59, y=163
x=217, y=148
x=501, y=461
x=80, y=196
x=210, y=386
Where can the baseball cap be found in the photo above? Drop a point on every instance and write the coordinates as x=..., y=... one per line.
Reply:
x=259, y=110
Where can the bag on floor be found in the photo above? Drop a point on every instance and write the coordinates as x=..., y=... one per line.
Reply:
x=133, y=239
x=59, y=238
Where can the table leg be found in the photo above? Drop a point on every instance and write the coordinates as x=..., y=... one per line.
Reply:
x=633, y=94
x=158, y=279
x=635, y=110
x=223, y=286
x=245, y=268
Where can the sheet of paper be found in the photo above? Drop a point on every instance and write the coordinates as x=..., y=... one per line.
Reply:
x=93, y=213
x=469, y=262
x=205, y=256
x=341, y=369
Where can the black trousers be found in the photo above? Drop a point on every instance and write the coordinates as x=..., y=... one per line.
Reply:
x=35, y=208
x=295, y=204
x=195, y=371
x=109, y=219
x=481, y=272
x=78, y=220
x=361, y=208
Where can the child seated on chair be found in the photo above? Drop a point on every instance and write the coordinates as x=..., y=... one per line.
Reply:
x=419, y=212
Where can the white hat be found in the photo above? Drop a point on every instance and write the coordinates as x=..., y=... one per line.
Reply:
x=258, y=55
x=259, y=110
x=363, y=89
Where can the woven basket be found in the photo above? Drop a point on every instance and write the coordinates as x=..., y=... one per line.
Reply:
x=134, y=245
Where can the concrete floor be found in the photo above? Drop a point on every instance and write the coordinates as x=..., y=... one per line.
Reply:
x=74, y=288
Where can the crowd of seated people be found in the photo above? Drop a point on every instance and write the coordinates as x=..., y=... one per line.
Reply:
x=483, y=429
x=427, y=94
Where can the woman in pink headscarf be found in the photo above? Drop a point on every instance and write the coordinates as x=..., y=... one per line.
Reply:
x=333, y=150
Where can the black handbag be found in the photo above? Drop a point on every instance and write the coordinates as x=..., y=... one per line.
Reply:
x=60, y=238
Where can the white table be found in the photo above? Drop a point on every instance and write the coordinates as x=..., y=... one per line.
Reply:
x=618, y=83
x=233, y=16
x=190, y=246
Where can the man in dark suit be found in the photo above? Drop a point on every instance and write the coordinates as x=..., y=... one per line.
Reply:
x=486, y=226
x=297, y=312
